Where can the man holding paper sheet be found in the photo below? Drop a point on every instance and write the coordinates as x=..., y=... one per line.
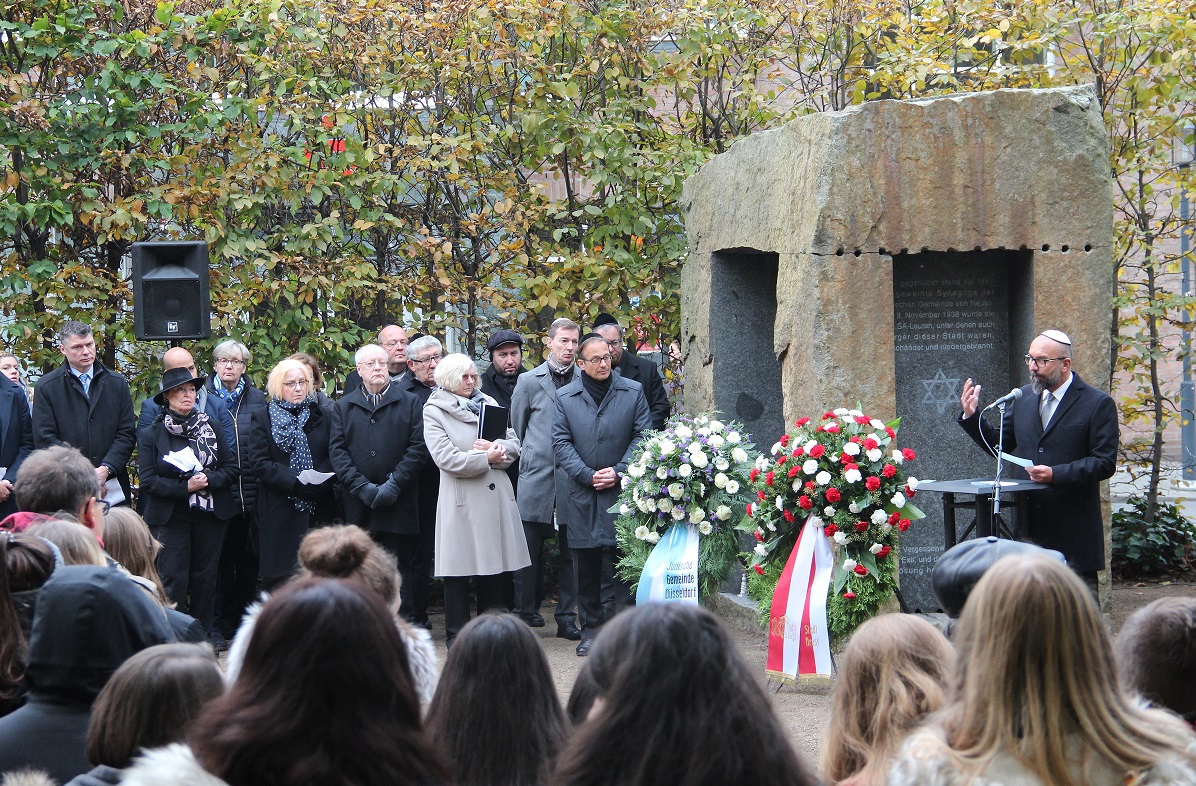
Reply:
x=1066, y=431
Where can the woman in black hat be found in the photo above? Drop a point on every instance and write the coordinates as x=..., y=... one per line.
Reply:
x=186, y=471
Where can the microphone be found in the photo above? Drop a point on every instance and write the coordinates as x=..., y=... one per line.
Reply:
x=1012, y=395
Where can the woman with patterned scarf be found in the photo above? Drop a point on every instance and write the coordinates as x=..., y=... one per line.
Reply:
x=186, y=471
x=286, y=438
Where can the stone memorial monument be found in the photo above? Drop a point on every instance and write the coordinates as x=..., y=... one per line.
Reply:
x=882, y=254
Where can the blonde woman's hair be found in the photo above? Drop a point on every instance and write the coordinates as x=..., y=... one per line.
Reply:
x=892, y=674
x=128, y=540
x=278, y=376
x=76, y=542
x=348, y=552
x=1036, y=669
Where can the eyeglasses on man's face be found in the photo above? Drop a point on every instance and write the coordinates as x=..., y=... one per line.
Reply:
x=229, y=362
x=598, y=361
x=1039, y=362
x=373, y=363
x=105, y=506
x=429, y=359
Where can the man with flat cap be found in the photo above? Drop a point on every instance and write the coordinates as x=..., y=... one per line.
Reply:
x=632, y=366
x=1068, y=429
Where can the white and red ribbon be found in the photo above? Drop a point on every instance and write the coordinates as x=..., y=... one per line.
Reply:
x=799, y=644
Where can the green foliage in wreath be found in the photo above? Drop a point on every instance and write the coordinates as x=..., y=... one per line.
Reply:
x=717, y=554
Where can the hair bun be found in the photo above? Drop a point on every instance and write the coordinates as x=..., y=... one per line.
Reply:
x=335, y=552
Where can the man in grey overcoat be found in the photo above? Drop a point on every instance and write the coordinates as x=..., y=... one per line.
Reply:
x=533, y=405
x=600, y=419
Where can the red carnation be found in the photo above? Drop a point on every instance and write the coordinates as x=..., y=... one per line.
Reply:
x=909, y=492
x=768, y=478
x=861, y=526
x=784, y=440
x=755, y=473
x=802, y=421
x=849, y=595
x=831, y=428
x=794, y=470
x=890, y=432
x=850, y=465
x=894, y=517
x=811, y=485
x=805, y=502
x=908, y=454
x=861, y=570
x=758, y=569
x=827, y=415
x=884, y=551
x=831, y=529
x=871, y=444
x=749, y=509
x=888, y=471
x=789, y=516
x=844, y=459
x=761, y=495
x=862, y=420
x=903, y=525
x=759, y=536
x=854, y=438
x=782, y=461
x=817, y=451
x=833, y=495
x=797, y=451
x=872, y=483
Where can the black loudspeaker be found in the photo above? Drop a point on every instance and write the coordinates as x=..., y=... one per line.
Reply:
x=170, y=291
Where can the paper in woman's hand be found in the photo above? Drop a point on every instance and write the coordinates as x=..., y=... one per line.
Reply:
x=311, y=477
x=184, y=459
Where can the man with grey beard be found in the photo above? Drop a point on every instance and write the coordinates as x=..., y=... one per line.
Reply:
x=1068, y=429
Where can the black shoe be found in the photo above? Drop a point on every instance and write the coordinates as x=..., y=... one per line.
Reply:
x=533, y=620
x=583, y=649
x=567, y=630
x=218, y=642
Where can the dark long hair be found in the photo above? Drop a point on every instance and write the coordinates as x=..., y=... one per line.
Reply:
x=26, y=562
x=324, y=696
x=496, y=715
x=683, y=707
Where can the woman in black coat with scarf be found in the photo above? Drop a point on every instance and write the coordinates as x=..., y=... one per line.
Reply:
x=287, y=437
x=187, y=506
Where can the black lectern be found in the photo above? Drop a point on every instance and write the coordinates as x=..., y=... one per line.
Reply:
x=984, y=522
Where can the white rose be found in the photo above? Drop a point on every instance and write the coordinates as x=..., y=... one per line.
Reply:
x=676, y=490
x=646, y=506
x=777, y=447
x=624, y=510
x=641, y=532
x=853, y=508
x=717, y=442
x=697, y=515
x=704, y=431
x=897, y=457
x=874, y=454
x=699, y=460
x=666, y=448
x=717, y=425
x=886, y=528
x=732, y=486
x=912, y=482
x=678, y=513
x=852, y=476
x=876, y=424
x=733, y=437
x=780, y=502
x=875, y=548
x=704, y=528
x=898, y=500
x=694, y=447
x=662, y=472
x=809, y=445
x=810, y=466
x=720, y=480
x=822, y=478
x=664, y=505
x=653, y=537
x=683, y=432
x=721, y=464
x=723, y=513
x=879, y=517
x=851, y=448
x=840, y=537
x=849, y=564
x=763, y=552
x=635, y=470
x=739, y=455
x=684, y=470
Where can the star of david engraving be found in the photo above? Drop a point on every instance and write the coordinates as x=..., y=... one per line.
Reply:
x=941, y=392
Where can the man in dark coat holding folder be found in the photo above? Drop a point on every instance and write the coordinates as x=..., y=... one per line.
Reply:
x=1068, y=429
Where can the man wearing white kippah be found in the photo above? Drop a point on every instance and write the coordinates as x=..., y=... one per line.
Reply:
x=1069, y=430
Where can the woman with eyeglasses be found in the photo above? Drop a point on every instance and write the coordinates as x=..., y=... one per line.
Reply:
x=288, y=439
x=187, y=474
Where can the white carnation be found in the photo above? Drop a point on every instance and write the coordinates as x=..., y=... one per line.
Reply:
x=879, y=517
x=704, y=431
x=733, y=437
x=777, y=447
x=717, y=425
x=683, y=432
x=849, y=564
x=852, y=476
x=697, y=515
x=723, y=513
x=823, y=478
x=763, y=552
x=624, y=509
x=732, y=486
x=761, y=461
x=840, y=537
x=666, y=448
x=853, y=508
x=855, y=413
x=641, y=532
x=875, y=548
x=720, y=480
x=684, y=470
x=772, y=527
x=898, y=500
x=875, y=454
x=662, y=472
x=840, y=412
x=636, y=470
x=810, y=466
x=829, y=511
x=699, y=459
x=780, y=502
x=653, y=537
x=876, y=424
x=912, y=482
x=797, y=485
x=897, y=457
x=704, y=528
x=851, y=448
x=624, y=482
x=721, y=464
x=809, y=445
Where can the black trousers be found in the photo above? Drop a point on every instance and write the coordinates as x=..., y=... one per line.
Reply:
x=489, y=590
x=189, y=562
x=529, y=580
x=237, y=573
x=589, y=591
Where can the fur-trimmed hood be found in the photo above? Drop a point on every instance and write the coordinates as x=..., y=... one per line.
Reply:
x=421, y=653
x=174, y=765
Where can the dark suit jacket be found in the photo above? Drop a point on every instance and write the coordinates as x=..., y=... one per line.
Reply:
x=1080, y=447
x=372, y=445
x=496, y=390
x=165, y=486
x=632, y=366
x=101, y=425
x=16, y=435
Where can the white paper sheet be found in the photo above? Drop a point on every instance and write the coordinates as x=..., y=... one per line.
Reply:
x=113, y=493
x=3, y=472
x=184, y=459
x=311, y=477
x=1021, y=462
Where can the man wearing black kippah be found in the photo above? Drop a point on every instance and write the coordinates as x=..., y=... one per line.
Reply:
x=632, y=366
x=600, y=419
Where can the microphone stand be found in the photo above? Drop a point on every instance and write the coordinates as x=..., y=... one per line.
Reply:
x=1000, y=469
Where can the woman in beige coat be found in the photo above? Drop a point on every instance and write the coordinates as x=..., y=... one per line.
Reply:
x=479, y=533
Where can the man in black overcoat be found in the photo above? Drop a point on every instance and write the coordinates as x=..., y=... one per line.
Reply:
x=85, y=405
x=16, y=439
x=1069, y=430
x=632, y=366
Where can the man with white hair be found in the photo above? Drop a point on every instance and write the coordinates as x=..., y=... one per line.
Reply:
x=1068, y=430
